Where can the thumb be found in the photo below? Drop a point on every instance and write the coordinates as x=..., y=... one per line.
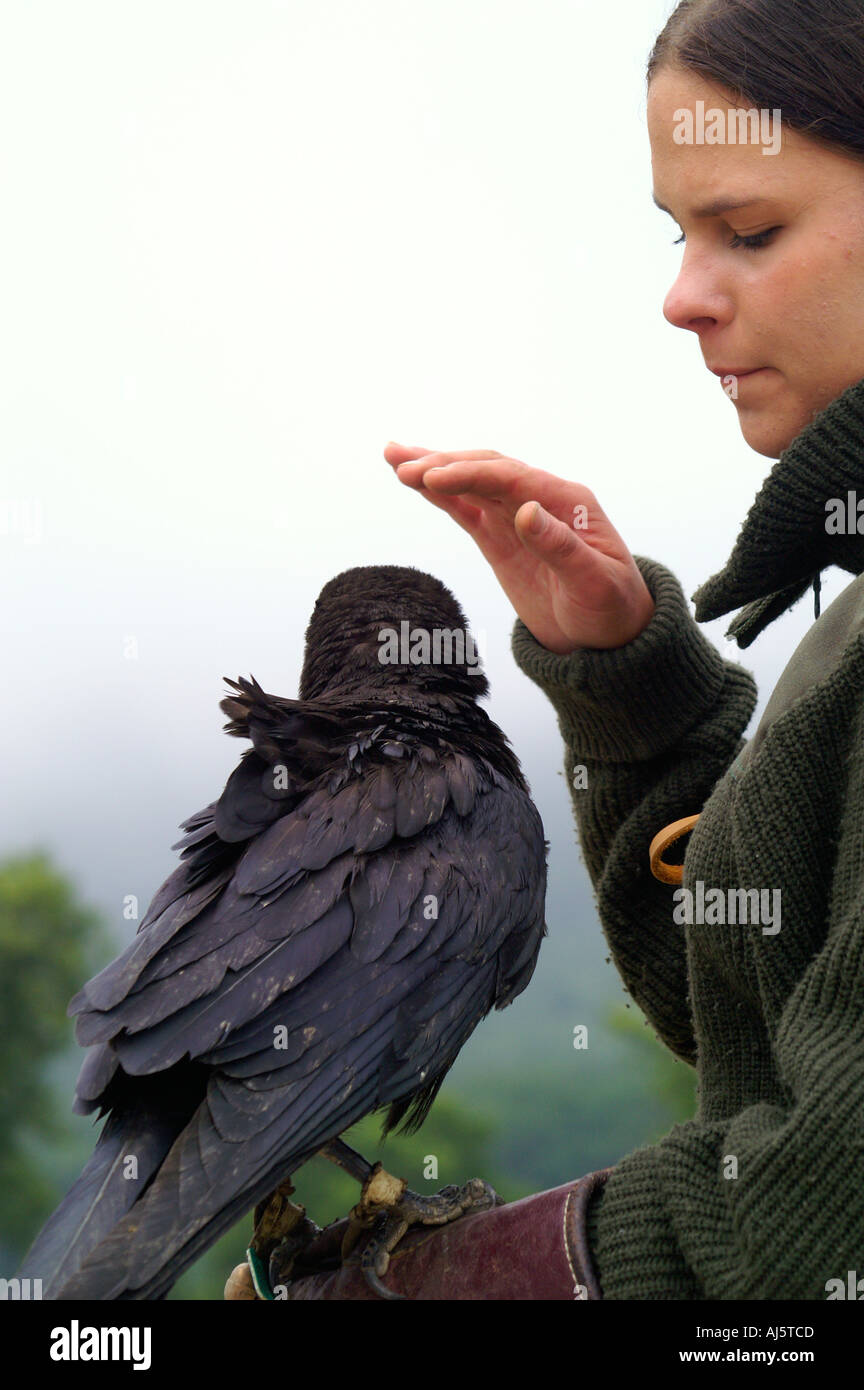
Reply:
x=545, y=536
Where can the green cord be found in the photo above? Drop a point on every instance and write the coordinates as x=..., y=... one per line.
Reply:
x=260, y=1277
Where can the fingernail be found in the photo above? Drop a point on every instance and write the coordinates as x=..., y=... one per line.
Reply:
x=536, y=520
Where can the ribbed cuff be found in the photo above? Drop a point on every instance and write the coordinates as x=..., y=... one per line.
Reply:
x=592, y=1218
x=634, y=1244
x=633, y=702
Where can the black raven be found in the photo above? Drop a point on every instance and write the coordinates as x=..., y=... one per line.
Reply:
x=369, y=884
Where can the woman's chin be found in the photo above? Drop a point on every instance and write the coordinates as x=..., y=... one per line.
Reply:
x=764, y=438
x=770, y=431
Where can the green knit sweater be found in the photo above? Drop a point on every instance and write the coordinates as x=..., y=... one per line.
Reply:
x=761, y=1195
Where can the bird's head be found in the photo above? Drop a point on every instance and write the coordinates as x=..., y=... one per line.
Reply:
x=389, y=627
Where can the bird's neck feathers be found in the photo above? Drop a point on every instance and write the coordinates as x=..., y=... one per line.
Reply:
x=397, y=662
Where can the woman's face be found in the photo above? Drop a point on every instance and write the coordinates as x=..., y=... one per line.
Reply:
x=789, y=306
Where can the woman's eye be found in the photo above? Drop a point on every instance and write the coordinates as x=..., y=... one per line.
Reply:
x=753, y=243
x=750, y=243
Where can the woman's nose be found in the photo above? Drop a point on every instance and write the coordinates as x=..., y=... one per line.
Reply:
x=693, y=301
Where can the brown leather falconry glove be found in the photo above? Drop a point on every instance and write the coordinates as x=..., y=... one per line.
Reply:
x=536, y=1248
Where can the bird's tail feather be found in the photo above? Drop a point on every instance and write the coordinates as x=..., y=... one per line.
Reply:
x=204, y=1185
x=127, y=1154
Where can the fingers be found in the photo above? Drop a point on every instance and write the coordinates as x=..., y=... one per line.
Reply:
x=398, y=455
x=482, y=488
x=482, y=476
x=462, y=511
x=412, y=464
x=489, y=476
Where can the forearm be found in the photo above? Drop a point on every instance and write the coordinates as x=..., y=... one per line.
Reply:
x=648, y=730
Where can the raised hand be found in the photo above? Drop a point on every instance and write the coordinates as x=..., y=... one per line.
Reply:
x=557, y=556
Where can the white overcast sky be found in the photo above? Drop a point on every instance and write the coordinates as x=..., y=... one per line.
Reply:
x=243, y=243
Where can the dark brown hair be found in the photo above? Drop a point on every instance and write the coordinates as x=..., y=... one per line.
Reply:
x=805, y=57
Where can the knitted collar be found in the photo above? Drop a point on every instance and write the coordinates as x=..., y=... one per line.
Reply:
x=784, y=543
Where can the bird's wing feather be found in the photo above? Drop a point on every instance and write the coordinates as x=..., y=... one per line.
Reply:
x=338, y=969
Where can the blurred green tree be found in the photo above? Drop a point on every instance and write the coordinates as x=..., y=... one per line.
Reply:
x=50, y=943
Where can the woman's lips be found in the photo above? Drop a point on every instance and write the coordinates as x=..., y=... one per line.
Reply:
x=736, y=371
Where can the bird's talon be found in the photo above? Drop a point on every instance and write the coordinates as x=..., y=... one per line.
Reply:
x=380, y=1288
x=276, y=1217
x=358, y=1226
x=284, y=1255
x=410, y=1209
x=380, y=1192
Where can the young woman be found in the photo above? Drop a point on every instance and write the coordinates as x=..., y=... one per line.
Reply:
x=753, y=970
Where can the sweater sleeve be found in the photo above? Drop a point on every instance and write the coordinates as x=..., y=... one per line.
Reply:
x=648, y=729
x=766, y=1202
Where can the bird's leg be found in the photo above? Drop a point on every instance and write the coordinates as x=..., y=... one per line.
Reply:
x=282, y=1230
x=389, y=1207
x=347, y=1158
x=362, y=1171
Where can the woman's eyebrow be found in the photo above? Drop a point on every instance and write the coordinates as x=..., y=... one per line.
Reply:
x=715, y=208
